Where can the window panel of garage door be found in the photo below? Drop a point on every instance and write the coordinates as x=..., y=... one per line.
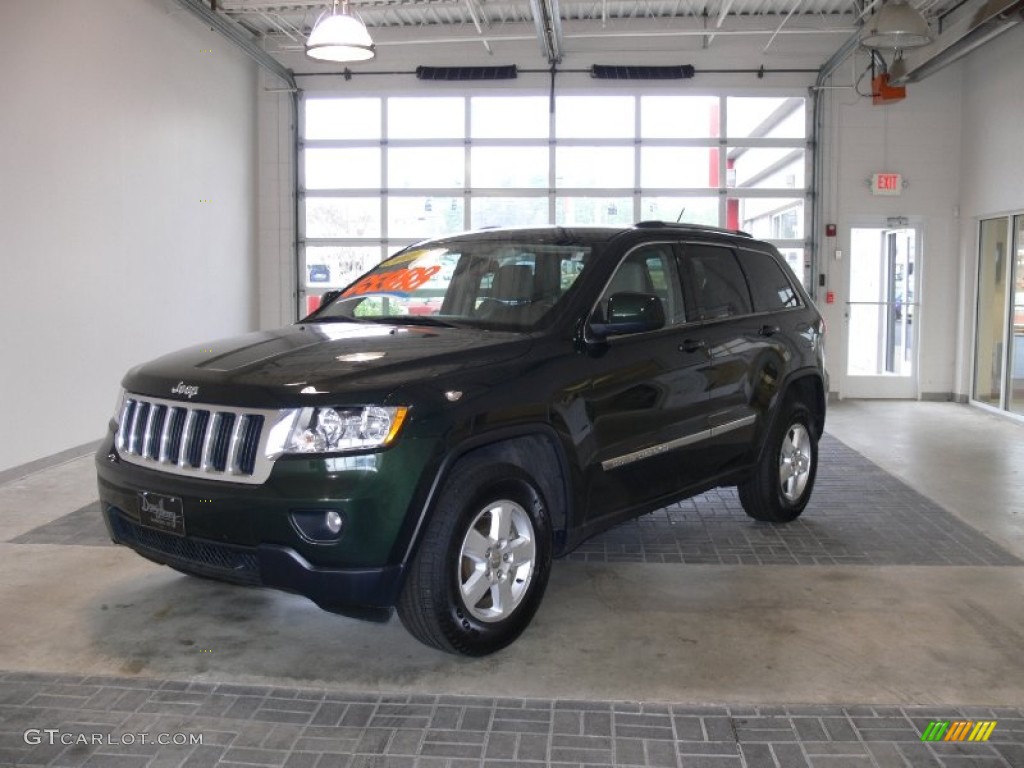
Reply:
x=687, y=210
x=343, y=118
x=509, y=117
x=420, y=217
x=679, y=117
x=342, y=168
x=509, y=167
x=595, y=117
x=426, y=168
x=593, y=167
x=353, y=217
x=509, y=212
x=586, y=211
x=679, y=167
x=426, y=117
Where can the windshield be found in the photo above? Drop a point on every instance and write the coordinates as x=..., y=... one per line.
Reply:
x=509, y=284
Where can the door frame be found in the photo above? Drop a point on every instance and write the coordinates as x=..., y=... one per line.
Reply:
x=1003, y=408
x=881, y=387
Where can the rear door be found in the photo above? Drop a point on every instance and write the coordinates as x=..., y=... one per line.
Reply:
x=745, y=342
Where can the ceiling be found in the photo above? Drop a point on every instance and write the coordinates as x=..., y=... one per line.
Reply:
x=767, y=26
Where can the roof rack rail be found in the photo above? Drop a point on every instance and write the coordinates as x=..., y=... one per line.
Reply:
x=683, y=225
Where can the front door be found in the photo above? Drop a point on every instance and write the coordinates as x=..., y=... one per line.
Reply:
x=882, y=317
x=644, y=397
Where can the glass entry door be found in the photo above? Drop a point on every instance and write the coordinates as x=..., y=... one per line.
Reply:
x=999, y=331
x=1016, y=365
x=882, y=313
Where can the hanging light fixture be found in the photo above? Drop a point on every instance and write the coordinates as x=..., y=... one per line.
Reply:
x=895, y=27
x=898, y=68
x=339, y=36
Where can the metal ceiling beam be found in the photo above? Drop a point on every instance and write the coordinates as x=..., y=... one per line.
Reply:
x=792, y=10
x=990, y=20
x=548, y=21
x=475, y=39
x=726, y=6
x=470, y=6
x=239, y=37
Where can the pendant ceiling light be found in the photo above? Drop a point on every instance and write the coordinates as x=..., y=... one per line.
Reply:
x=339, y=36
x=895, y=27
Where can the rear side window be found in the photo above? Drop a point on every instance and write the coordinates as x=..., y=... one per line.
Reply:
x=771, y=288
x=713, y=283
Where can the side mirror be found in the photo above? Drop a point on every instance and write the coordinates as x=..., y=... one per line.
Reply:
x=329, y=296
x=630, y=313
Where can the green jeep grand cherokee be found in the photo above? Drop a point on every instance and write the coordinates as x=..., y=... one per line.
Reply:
x=433, y=435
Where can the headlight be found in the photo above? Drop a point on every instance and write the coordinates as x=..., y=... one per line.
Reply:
x=334, y=430
x=119, y=407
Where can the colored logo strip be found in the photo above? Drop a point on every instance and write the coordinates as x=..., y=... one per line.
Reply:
x=958, y=730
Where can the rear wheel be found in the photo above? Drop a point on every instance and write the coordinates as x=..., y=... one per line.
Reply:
x=481, y=569
x=781, y=485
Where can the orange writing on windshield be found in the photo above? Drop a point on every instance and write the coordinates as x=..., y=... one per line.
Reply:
x=394, y=281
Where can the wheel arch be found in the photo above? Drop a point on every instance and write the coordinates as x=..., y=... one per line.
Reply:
x=535, y=449
x=809, y=388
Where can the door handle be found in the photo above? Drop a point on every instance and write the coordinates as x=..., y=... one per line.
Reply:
x=768, y=330
x=692, y=345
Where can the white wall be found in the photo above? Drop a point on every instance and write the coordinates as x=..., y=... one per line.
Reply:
x=993, y=125
x=119, y=118
x=992, y=163
x=276, y=262
x=919, y=137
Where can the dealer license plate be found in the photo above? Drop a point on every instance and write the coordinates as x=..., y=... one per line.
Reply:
x=163, y=513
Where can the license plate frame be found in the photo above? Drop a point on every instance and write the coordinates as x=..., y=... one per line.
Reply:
x=161, y=512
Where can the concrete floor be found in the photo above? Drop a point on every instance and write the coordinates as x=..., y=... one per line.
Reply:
x=967, y=460
x=890, y=635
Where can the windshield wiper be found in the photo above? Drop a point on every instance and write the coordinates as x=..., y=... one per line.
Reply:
x=338, y=319
x=412, y=320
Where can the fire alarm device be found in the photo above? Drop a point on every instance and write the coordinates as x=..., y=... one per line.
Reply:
x=830, y=230
x=830, y=297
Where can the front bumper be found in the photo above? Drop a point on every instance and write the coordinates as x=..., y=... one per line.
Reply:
x=248, y=534
x=363, y=593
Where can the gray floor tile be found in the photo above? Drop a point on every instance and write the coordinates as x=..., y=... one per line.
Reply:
x=401, y=731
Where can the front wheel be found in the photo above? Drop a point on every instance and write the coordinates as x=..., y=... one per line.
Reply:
x=481, y=569
x=781, y=484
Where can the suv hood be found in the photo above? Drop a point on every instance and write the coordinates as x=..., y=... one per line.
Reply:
x=349, y=362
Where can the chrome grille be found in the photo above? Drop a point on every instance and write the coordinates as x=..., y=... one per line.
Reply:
x=209, y=441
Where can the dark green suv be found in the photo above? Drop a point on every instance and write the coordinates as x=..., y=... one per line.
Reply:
x=433, y=435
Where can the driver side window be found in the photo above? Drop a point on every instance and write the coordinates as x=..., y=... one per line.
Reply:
x=650, y=269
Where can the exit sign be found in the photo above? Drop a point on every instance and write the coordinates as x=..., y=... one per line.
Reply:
x=886, y=183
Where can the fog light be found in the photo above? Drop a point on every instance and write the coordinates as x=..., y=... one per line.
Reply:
x=333, y=521
x=319, y=526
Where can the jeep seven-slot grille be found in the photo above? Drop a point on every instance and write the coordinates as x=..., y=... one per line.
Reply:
x=214, y=442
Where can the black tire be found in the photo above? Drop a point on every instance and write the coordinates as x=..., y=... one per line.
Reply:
x=765, y=496
x=505, y=581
